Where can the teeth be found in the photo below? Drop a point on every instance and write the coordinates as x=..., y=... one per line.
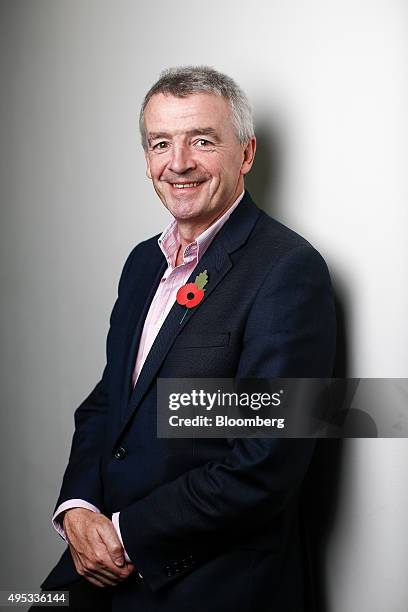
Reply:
x=184, y=185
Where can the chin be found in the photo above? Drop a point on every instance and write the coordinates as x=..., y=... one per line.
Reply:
x=182, y=210
x=183, y=214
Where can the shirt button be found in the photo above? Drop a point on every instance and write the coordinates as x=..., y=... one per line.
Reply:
x=119, y=453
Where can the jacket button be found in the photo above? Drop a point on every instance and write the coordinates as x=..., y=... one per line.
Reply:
x=119, y=453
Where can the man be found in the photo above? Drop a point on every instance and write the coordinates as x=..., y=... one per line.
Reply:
x=180, y=524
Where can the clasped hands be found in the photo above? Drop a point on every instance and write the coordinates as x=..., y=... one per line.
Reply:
x=95, y=547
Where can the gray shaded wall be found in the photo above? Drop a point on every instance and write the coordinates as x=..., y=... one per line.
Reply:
x=327, y=80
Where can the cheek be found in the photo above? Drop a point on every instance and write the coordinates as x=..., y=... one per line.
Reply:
x=215, y=168
x=157, y=167
x=225, y=168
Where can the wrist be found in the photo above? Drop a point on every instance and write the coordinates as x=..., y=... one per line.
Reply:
x=71, y=512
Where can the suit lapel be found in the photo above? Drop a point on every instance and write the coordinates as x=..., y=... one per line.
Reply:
x=216, y=260
x=150, y=281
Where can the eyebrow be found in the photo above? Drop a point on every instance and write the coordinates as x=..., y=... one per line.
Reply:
x=205, y=131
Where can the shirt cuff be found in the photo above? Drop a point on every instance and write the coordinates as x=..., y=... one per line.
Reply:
x=67, y=505
x=115, y=521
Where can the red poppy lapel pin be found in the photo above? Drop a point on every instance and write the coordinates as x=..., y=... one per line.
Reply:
x=191, y=294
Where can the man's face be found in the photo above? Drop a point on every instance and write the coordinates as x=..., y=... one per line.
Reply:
x=193, y=157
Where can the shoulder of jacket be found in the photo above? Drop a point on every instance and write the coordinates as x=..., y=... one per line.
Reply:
x=273, y=239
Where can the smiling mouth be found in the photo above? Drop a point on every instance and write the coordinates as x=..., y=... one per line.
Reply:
x=186, y=185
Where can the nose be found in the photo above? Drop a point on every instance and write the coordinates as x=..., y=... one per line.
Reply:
x=182, y=159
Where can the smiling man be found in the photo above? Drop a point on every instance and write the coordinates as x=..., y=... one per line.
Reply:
x=198, y=166
x=206, y=524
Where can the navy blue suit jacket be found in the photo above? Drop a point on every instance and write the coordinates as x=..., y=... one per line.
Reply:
x=211, y=524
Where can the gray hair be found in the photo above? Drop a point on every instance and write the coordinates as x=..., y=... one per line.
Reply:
x=182, y=81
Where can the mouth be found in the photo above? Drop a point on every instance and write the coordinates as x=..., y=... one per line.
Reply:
x=186, y=186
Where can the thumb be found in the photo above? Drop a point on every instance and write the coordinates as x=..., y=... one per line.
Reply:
x=118, y=559
x=116, y=554
x=113, y=545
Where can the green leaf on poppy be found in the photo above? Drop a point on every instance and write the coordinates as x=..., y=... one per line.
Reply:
x=201, y=279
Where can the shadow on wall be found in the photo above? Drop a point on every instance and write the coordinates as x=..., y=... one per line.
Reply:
x=320, y=492
x=264, y=180
x=319, y=499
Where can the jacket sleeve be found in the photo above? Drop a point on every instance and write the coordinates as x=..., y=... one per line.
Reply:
x=290, y=332
x=82, y=478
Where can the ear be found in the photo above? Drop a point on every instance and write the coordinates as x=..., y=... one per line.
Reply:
x=148, y=171
x=249, y=155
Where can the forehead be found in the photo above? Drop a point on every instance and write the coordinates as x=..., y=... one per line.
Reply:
x=173, y=114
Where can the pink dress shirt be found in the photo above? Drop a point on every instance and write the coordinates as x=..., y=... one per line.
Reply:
x=173, y=278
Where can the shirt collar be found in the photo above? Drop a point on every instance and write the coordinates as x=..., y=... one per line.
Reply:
x=169, y=241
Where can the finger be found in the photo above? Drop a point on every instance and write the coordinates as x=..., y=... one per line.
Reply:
x=77, y=560
x=94, y=581
x=98, y=569
x=102, y=574
x=120, y=574
x=94, y=561
x=97, y=556
x=111, y=540
x=104, y=580
x=99, y=573
x=94, y=566
x=104, y=562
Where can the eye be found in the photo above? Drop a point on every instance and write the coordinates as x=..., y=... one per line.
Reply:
x=160, y=146
x=202, y=143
